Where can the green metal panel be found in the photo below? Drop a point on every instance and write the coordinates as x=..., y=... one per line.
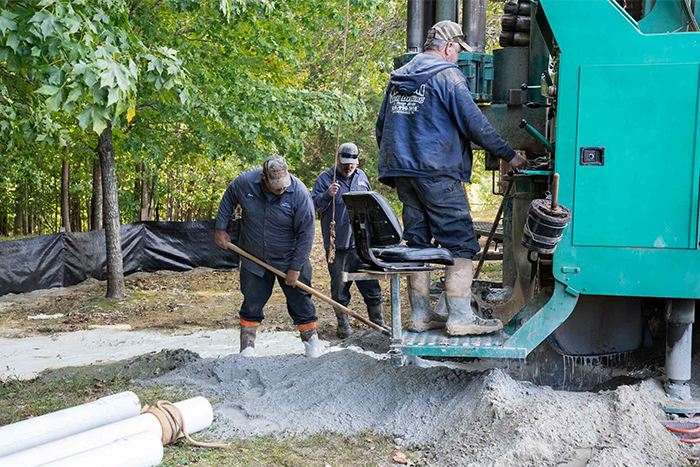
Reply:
x=644, y=194
x=665, y=16
x=534, y=323
x=437, y=343
x=596, y=33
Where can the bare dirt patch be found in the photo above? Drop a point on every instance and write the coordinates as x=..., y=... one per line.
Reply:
x=199, y=299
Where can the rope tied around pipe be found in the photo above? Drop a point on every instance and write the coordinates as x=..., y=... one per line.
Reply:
x=173, y=424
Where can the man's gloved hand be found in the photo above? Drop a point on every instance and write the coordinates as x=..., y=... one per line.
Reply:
x=222, y=238
x=333, y=189
x=292, y=278
x=519, y=162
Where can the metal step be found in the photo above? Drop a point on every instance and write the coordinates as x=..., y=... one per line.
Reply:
x=483, y=229
x=437, y=343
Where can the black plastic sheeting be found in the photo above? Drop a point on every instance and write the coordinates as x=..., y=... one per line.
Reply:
x=65, y=259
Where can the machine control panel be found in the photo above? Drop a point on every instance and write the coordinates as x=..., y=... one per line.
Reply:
x=593, y=156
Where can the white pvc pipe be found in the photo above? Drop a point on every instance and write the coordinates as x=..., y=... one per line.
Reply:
x=196, y=412
x=40, y=430
x=140, y=450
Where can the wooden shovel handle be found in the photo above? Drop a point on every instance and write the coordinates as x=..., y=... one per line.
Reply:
x=313, y=292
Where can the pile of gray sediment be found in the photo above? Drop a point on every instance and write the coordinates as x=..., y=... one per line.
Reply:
x=459, y=418
x=370, y=340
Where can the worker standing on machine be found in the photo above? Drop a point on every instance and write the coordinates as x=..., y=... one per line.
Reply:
x=425, y=128
x=277, y=228
x=348, y=178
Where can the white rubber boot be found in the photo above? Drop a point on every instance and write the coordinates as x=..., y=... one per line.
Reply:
x=311, y=345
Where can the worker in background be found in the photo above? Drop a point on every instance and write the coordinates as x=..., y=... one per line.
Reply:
x=277, y=228
x=325, y=192
x=425, y=128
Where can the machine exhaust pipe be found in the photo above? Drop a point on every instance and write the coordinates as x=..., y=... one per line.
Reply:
x=680, y=316
x=414, y=31
x=446, y=10
x=474, y=24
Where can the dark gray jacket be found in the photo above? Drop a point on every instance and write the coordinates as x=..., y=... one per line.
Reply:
x=322, y=202
x=279, y=232
x=427, y=122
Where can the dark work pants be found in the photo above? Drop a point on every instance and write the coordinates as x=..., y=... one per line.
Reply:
x=348, y=261
x=257, y=290
x=436, y=207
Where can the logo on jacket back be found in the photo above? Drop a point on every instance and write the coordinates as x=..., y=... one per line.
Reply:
x=406, y=104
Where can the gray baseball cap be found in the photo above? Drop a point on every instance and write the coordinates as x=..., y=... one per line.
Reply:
x=448, y=31
x=277, y=172
x=348, y=153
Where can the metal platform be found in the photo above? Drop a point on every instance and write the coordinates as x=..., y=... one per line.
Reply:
x=525, y=331
x=438, y=343
x=483, y=229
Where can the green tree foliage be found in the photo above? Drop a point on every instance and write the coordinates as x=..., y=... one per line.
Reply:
x=206, y=94
x=196, y=91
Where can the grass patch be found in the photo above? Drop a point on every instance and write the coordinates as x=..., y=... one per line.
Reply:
x=7, y=238
x=60, y=389
x=20, y=400
x=492, y=271
x=365, y=449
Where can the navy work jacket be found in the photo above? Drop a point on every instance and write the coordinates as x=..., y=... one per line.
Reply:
x=279, y=231
x=427, y=122
x=322, y=202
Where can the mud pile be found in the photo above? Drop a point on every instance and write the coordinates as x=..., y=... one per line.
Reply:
x=370, y=340
x=462, y=418
x=512, y=423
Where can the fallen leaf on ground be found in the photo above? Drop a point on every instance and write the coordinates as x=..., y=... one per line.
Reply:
x=400, y=458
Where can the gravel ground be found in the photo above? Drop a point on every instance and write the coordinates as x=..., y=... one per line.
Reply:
x=459, y=417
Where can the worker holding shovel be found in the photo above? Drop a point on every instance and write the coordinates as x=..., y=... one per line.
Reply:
x=277, y=228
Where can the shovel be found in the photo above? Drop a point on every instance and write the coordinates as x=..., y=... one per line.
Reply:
x=313, y=292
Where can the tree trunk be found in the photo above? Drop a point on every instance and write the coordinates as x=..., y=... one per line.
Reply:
x=113, y=241
x=25, y=210
x=65, y=184
x=41, y=219
x=137, y=186
x=169, y=198
x=210, y=209
x=19, y=217
x=3, y=222
x=88, y=215
x=75, y=213
x=143, y=215
x=97, y=201
x=152, y=196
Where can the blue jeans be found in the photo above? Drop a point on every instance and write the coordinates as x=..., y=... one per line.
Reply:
x=437, y=208
x=257, y=290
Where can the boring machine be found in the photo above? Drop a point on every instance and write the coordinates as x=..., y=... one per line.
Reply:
x=605, y=94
